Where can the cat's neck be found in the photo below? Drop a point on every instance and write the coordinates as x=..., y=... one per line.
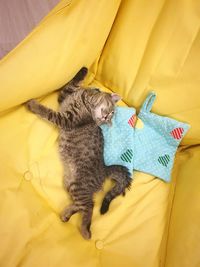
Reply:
x=86, y=103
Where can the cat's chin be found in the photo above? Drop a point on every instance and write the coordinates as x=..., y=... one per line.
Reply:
x=109, y=123
x=100, y=123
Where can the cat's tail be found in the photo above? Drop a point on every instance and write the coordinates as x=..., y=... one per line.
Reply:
x=122, y=178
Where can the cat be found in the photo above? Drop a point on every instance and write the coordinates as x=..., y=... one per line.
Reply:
x=81, y=112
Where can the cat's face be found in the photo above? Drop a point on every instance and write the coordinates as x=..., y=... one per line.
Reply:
x=102, y=106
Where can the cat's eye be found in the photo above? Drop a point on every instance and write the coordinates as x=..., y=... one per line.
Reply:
x=96, y=90
x=105, y=117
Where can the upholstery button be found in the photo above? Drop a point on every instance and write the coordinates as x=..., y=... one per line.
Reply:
x=28, y=175
x=99, y=244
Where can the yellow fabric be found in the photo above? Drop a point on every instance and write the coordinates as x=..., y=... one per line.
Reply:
x=130, y=47
x=73, y=35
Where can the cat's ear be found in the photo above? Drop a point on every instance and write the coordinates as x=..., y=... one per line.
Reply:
x=115, y=98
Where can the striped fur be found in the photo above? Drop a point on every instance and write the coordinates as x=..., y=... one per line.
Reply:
x=81, y=147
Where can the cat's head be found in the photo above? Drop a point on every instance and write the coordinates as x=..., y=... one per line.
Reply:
x=102, y=105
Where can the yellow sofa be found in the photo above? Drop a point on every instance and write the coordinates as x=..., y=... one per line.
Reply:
x=131, y=47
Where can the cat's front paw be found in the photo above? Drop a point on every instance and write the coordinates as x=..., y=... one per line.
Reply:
x=81, y=74
x=31, y=105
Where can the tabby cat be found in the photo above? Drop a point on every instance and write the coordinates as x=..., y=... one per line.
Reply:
x=82, y=111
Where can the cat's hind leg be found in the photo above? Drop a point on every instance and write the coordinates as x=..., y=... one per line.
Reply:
x=86, y=210
x=68, y=212
x=86, y=221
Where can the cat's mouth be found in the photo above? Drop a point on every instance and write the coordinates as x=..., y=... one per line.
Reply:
x=103, y=121
x=107, y=118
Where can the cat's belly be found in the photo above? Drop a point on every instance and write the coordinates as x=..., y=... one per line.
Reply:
x=82, y=152
x=81, y=144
